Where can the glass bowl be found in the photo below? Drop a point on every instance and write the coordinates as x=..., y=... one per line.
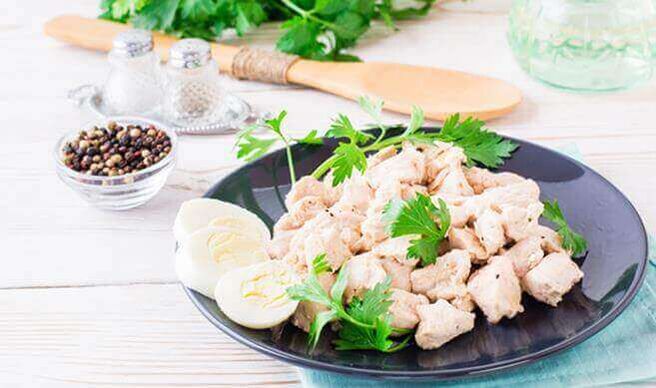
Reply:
x=118, y=192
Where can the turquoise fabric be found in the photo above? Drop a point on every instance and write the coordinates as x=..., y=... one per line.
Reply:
x=623, y=352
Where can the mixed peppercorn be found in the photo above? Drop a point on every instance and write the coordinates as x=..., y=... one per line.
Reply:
x=116, y=150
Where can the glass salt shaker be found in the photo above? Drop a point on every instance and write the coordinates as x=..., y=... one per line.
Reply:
x=193, y=94
x=133, y=86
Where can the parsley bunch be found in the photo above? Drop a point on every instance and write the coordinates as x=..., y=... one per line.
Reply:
x=365, y=322
x=316, y=29
x=572, y=241
x=417, y=217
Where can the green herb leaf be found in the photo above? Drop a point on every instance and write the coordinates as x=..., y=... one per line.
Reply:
x=320, y=264
x=480, y=145
x=317, y=325
x=250, y=148
x=348, y=157
x=156, y=15
x=311, y=138
x=417, y=217
x=342, y=127
x=572, y=241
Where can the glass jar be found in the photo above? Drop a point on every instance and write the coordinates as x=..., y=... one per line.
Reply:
x=132, y=87
x=585, y=45
x=193, y=94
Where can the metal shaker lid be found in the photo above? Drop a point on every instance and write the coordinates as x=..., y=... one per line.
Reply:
x=190, y=53
x=133, y=43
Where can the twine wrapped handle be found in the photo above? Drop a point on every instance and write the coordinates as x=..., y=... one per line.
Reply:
x=261, y=65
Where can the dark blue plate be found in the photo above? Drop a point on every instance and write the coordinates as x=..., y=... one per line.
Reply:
x=614, y=269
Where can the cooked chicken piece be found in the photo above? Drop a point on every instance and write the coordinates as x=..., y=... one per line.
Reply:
x=364, y=272
x=550, y=240
x=495, y=289
x=408, y=166
x=400, y=273
x=404, y=308
x=481, y=179
x=373, y=231
x=396, y=248
x=464, y=302
x=465, y=238
x=440, y=322
x=381, y=155
x=328, y=242
x=302, y=210
x=356, y=195
x=451, y=183
x=489, y=230
x=525, y=255
x=520, y=194
x=518, y=222
x=306, y=310
x=279, y=244
x=459, y=216
x=552, y=278
x=442, y=156
x=443, y=279
x=308, y=186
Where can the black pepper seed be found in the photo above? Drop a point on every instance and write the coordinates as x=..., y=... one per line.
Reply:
x=115, y=150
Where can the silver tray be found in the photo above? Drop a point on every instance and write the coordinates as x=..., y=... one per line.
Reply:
x=238, y=112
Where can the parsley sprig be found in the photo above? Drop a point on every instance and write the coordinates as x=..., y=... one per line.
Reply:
x=365, y=322
x=419, y=217
x=572, y=241
x=479, y=144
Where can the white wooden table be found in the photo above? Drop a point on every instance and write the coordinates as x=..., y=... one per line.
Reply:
x=89, y=298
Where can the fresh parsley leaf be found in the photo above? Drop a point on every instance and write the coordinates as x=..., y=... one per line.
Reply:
x=416, y=121
x=348, y=157
x=572, y=241
x=249, y=15
x=311, y=138
x=317, y=325
x=320, y=264
x=342, y=127
x=156, y=15
x=480, y=145
x=417, y=217
x=250, y=147
x=371, y=310
x=309, y=290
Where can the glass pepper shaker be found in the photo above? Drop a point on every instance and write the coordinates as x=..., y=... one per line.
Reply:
x=193, y=94
x=133, y=86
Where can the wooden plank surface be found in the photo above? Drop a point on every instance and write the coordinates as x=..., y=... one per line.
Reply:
x=88, y=298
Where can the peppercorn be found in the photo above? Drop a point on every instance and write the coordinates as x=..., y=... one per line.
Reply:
x=115, y=150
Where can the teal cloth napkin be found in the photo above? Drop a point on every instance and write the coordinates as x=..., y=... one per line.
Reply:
x=625, y=351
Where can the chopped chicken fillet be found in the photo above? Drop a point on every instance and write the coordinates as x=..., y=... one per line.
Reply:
x=400, y=273
x=364, y=272
x=305, y=187
x=495, y=289
x=525, y=255
x=466, y=239
x=481, y=179
x=519, y=221
x=306, y=310
x=552, y=278
x=445, y=279
x=489, y=229
x=404, y=308
x=302, y=210
x=440, y=322
x=356, y=195
x=494, y=249
x=409, y=166
x=550, y=240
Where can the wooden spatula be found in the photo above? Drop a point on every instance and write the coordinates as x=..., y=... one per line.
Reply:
x=439, y=92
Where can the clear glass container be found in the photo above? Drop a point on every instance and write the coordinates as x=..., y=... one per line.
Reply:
x=585, y=45
x=133, y=86
x=120, y=192
x=193, y=94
